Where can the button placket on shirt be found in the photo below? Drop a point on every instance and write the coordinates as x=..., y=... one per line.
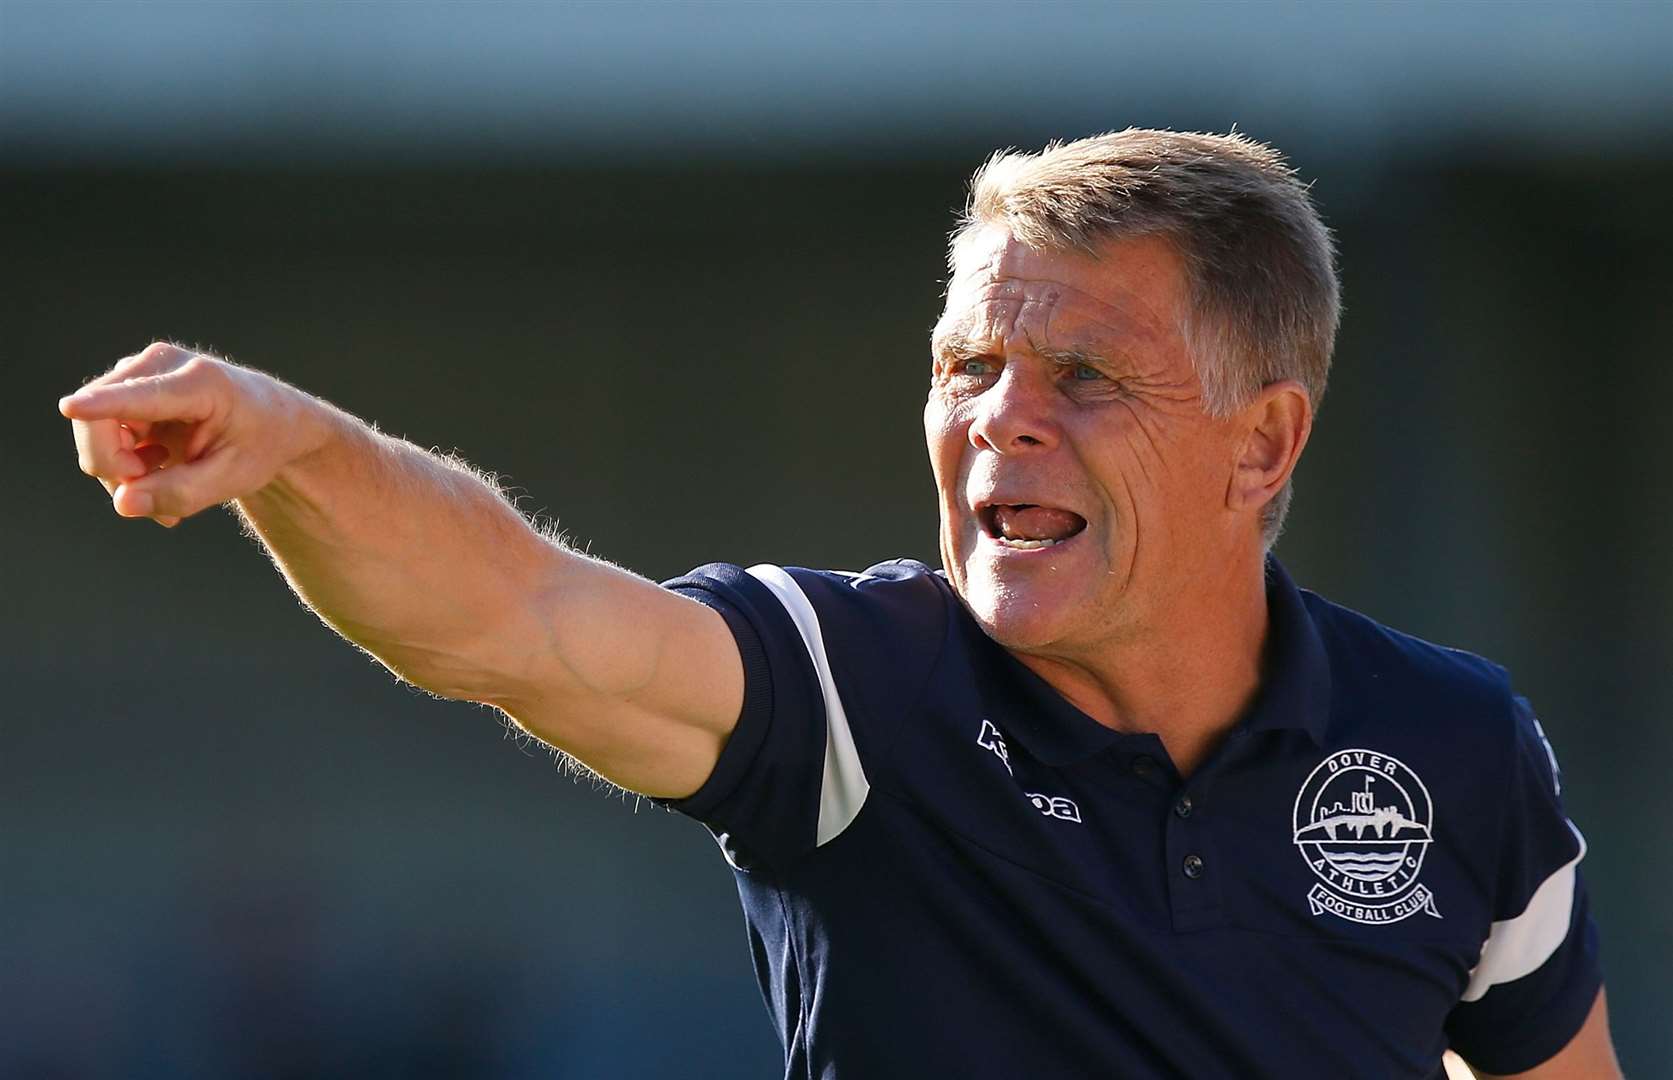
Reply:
x=1193, y=887
x=1189, y=861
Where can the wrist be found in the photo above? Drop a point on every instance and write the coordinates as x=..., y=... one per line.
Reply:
x=305, y=434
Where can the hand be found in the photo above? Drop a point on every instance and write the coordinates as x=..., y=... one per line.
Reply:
x=169, y=432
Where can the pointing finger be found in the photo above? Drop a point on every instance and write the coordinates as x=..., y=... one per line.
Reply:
x=155, y=359
x=151, y=397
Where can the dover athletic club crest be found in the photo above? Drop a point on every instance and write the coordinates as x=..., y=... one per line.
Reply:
x=1362, y=822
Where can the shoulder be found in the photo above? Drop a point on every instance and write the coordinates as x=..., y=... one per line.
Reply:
x=834, y=663
x=1455, y=722
x=900, y=594
x=892, y=616
x=879, y=624
x=1437, y=695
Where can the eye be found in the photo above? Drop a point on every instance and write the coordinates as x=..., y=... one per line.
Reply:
x=974, y=366
x=1086, y=373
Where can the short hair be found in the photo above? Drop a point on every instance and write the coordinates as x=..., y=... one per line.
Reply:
x=1259, y=262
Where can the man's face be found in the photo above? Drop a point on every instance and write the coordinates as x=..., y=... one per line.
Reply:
x=1083, y=488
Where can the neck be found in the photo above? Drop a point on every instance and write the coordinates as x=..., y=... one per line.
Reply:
x=1188, y=677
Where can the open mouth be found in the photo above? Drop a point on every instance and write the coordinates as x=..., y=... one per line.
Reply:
x=1029, y=526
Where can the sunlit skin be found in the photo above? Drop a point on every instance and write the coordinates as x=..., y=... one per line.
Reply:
x=1064, y=380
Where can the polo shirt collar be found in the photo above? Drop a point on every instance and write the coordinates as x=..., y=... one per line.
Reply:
x=1296, y=690
x=1295, y=693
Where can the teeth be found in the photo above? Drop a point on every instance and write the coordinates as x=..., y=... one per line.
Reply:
x=1026, y=545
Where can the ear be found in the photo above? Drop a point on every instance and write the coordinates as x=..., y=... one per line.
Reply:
x=1275, y=427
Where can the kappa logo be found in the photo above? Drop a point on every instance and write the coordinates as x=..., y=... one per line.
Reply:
x=1053, y=806
x=991, y=739
x=1363, y=822
x=1056, y=806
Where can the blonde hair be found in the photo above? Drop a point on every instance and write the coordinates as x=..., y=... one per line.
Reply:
x=1260, y=263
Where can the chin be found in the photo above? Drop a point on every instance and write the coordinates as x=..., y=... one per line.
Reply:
x=1018, y=618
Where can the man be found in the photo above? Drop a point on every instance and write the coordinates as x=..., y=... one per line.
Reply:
x=1108, y=795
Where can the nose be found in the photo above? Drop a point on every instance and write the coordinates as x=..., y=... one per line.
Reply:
x=1014, y=415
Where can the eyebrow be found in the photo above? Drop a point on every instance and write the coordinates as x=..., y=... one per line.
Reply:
x=964, y=347
x=960, y=347
x=1071, y=354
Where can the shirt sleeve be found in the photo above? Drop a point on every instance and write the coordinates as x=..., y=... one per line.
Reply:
x=1539, y=972
x=833, y=664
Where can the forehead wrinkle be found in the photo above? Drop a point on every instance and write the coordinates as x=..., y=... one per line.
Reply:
x=963, y=329
x=1033, y=318
x=960, y=339
x=989, y=312
x=1001, y=264
x=1127, y=316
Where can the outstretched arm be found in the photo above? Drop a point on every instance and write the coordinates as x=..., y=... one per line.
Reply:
x=420, y=561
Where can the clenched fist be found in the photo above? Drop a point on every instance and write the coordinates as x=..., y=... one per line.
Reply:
x=169, y=432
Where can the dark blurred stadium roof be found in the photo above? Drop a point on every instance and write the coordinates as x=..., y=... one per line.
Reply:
x=424, y=81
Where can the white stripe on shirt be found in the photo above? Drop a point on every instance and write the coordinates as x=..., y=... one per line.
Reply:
x=845, y=787
x=1517, y=947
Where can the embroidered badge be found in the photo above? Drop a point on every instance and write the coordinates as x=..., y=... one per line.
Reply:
x=1363, y=822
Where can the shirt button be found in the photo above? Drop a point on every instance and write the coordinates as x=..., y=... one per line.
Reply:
x=1184, y=806
x=1193, y=866
x=1142, y=765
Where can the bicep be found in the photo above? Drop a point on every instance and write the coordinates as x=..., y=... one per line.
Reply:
x=1590, y=1055
x=640, y=684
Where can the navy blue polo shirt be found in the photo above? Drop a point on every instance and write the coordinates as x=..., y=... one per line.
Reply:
x=948, y=870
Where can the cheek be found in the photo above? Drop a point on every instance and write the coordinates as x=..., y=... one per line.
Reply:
x=944, y=438
x=1126, y=468
x=1166, y=484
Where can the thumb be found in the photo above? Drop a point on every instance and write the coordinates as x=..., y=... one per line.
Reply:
x=179, y=491
x=155, y=457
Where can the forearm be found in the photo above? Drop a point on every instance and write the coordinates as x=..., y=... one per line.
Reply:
x=409, y=555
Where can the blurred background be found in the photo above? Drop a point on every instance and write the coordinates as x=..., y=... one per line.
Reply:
x=670, y=271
